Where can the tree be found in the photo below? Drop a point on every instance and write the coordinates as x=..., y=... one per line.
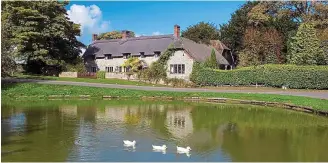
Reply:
x=156, y=72
x=299, y=11
x=201, y=32
x=8, y=65
x=262, y=45
x=211, y=62
x=232, y=33
x=41, y=31
x=305, y=47
x=133, y=64
x=113, y=35
x=77, y=66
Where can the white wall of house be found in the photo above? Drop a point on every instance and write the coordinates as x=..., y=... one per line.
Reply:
x=102, y=63
x=180, y=58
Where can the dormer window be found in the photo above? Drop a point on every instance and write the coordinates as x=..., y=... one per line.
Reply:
x=142, y=54
x=108, y=56
x=157, y=54
x=126, y=55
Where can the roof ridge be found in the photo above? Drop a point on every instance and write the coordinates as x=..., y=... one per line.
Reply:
x=121, y=41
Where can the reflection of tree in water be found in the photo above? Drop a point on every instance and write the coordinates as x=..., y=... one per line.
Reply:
x=87, y=113
x=157, y=116
x=46, y=133
x=259, y=134
x=252, y=144
x=132, y=117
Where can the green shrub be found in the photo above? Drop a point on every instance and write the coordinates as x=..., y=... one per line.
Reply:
x=101, y=74
x=292, y=76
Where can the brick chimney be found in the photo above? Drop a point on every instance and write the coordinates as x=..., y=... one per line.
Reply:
x=125, y=34
x=94, y=37
x=177, y=31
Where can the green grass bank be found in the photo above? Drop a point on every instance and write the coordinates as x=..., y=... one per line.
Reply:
x=20, y=90
x=87, y=80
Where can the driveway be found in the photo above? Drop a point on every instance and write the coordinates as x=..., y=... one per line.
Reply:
x=306, y=93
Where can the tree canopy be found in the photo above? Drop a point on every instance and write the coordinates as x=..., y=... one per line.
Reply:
x=201, y=32
x=40, y=30
x=261, y=32
x=113, y=35
x=233, y=32
x=305, y=47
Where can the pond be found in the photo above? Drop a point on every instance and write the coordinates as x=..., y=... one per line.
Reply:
x=95, y=130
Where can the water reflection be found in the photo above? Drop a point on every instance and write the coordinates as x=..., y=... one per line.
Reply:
x=93, y=131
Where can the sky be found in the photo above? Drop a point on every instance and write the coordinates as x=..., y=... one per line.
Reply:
x=146, y=18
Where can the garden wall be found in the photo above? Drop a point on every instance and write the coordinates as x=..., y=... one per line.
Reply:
x=119, y=76
x=68, y=74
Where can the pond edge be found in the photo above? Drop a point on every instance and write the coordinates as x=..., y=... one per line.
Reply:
x=288, y=106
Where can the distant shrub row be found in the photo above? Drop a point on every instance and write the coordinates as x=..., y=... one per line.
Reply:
x=292, y=76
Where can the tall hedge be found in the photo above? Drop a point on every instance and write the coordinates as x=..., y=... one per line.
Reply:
x=298, y=77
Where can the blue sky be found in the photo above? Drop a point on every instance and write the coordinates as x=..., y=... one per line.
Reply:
x=146, y=18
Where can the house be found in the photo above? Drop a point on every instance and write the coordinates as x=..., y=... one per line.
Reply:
x=109, y=55
x=179, y=122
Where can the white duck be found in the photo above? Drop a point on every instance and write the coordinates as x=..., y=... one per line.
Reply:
x=183, y=150
x=129, y=143
x=160, y=148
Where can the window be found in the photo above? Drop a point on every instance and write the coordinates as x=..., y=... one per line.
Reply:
x=93, y=69
x=157, y=54
x=126, y=55
x=177, y=68
x=142, y=54
x=126, y=69
x=109, y=69
x=108, y=56
x=118, y=69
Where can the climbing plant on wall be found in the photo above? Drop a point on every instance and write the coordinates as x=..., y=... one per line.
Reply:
x=157, y=70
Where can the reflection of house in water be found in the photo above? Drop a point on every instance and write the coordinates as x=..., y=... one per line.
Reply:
x=130, y=114
x=69, y=110
x=179, y=122
x=118, y=114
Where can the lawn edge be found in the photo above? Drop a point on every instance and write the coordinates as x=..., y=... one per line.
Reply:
x=282, y=105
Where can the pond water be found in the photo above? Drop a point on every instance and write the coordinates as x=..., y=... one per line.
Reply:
x=95, y=130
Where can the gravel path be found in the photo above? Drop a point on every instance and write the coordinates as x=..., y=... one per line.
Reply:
x=314, y=94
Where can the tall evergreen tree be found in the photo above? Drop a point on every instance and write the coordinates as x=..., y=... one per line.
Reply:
x=305, y=47
x=211, y=62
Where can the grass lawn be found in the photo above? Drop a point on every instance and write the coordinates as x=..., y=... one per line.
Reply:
x=31, y=89
x=88, y=80
x=137, y=83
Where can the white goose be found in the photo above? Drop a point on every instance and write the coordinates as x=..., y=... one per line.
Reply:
x=183, y=150
x=159, y=148
x=129, y=143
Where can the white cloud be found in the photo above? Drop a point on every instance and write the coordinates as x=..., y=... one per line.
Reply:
x=89, y=17
x=156, y=33
x=138, y=35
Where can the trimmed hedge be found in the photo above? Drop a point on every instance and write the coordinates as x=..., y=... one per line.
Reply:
x=292, y=76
